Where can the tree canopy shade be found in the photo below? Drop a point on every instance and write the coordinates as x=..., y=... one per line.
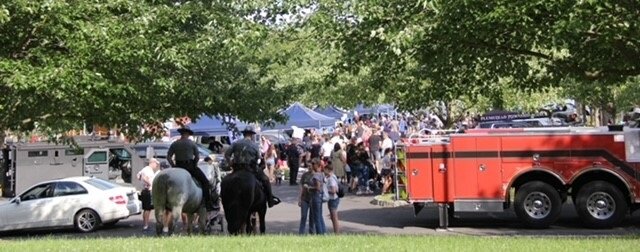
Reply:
x=420, y=51
x=130, y=63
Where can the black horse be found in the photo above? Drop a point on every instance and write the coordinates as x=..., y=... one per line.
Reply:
x=242, y=196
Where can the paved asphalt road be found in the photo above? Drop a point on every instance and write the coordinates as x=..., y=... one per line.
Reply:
x=359, y=216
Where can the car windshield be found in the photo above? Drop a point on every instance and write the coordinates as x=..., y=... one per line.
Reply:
x=122, y=154
x=486, y=125
x=101, y=184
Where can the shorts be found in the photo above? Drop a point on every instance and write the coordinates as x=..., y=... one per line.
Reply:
x=145, y=197
x=270, y=162
x=333, y=204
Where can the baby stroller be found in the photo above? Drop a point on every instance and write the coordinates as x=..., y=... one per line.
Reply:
x=217, y=218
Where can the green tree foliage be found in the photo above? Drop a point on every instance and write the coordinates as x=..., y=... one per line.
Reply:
x=416, y=52
x=626, y=96
x=130, y=63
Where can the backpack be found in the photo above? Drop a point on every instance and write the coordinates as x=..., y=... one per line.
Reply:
x=340, y=190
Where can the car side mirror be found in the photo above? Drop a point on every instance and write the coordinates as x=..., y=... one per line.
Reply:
x=16, y=200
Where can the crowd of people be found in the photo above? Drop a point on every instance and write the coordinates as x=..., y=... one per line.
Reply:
x=359, y=153
x=354, y=157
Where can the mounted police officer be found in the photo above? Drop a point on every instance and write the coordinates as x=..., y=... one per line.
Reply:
x=186, y=155
x=246, y=153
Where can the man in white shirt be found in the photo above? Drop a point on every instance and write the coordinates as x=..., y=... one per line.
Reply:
x=146, y=175
x=327, y=148
x=387, y=143
x=337, y=138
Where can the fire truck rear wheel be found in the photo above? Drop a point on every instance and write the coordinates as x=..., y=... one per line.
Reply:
x=538, y=204
x=601, y=205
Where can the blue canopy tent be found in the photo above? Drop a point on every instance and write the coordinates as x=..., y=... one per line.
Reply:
x=331, y=111
x=300, y=116
x=211, y=126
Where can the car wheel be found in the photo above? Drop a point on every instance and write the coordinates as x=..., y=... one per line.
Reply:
x=86, y=221
x=537, y=204
x=601, y=205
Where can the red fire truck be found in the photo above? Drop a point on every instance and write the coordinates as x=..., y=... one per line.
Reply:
x=533, y=170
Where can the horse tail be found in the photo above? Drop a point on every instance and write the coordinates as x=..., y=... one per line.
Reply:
x=159, y=192
x=159, y=199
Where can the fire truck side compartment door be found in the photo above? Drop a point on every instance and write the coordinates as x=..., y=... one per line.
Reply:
x=96, y=163
x=465, y=168
x=489, y=168
x=418, y=172
x=632, y=144
x=441, y=162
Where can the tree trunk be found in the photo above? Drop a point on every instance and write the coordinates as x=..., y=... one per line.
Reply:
x=600, y=117
x=3, y=172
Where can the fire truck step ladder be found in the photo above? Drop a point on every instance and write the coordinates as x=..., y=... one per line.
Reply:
x=443, y=216
x=399, y=173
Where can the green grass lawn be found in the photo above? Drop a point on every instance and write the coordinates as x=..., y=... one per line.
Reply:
x=329, y=243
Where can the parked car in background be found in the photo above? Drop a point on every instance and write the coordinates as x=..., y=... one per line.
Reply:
x=276, y=136
x=211, y=142
x=506, y=124
x=84, y=203
x=523, y=123
x=280, y=138
x=161, y=148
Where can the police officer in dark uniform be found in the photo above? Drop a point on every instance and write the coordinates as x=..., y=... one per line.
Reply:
x=186, y=155
x=246, y=153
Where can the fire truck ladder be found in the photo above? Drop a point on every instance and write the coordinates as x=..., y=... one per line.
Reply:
x=399, y=177
x=430, y=136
